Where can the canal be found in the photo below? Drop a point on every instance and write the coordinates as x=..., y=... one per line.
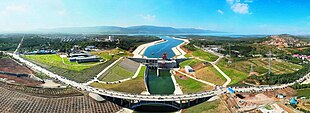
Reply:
x=157, y=50
x=163, y=83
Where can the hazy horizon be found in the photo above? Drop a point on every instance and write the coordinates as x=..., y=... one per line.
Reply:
x=234, y=16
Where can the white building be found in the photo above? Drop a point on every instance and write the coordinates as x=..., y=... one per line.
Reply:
x=111, y=38
x=189, y=70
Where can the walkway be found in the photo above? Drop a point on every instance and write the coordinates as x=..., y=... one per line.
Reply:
x=20, y=43
x=228, y=80
x=103, y=71
x=202, y=81
x=123, y=80
x=154, y=98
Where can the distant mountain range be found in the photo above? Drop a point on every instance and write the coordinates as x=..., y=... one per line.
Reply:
x=145, y=29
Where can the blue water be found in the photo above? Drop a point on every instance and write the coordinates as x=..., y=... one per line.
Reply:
x=157, y=50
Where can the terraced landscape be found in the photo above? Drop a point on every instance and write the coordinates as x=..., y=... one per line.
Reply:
x=16, y=102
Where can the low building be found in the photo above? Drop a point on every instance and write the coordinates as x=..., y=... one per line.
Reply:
x=89, y=48
x=83, y=57
x=42, y=52
x=189, y=69
x=293, y=101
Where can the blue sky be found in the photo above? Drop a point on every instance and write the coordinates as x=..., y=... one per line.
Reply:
x=239, y=16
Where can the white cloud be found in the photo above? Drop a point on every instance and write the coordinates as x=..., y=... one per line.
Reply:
x=230, y=1
x=62, y=13
x=220, y=11
x=248, y=1
x=241, y=8
x=149, y=17
x=15, y=8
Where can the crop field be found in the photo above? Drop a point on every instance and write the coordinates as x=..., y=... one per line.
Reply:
x=210, y=74
x=79, y=72
x=189, y=85
x=8, y=65
x=125, y=68
x=135, y=85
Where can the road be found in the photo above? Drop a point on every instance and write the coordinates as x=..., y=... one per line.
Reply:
x=228, y=80
x=20, y=43
x=145, y=97
x=116, y=94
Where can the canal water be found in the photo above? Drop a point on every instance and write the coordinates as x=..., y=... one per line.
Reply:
x=163, y=83
x=157, y=50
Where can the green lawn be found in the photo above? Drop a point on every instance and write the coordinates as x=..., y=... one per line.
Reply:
x=191, y=62
x=210, y=74
x=56, y=60
x=234, y=74
x=303, y=92
x=135, y=86
x=208, y=107
x=116, y=73
x=204, y=55
x=79, y=72
x=107, y=54
x=191, y=86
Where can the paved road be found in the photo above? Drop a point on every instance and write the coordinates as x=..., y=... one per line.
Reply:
x=20, y=43
x=228, y=80
x=142, y=97
x=103, y=71
x=115, y=93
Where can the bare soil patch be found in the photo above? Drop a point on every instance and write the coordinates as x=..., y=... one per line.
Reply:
x=8, y=65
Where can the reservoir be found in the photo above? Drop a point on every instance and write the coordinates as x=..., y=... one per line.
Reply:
x=157, y=50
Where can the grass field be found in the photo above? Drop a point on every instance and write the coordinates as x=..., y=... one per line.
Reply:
x=239, y=70
x=117, y=73
x=234, y=74
x=208, y=107
x=191, y=62
x=107, y=54
x=261, y=66
x=189, y=85
x=56, y=60
x=123, y=69
x=210, y=74
x=303, y=92
x=77, y=73
x=199, y=53
x=135, y=86
x=204, y=55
